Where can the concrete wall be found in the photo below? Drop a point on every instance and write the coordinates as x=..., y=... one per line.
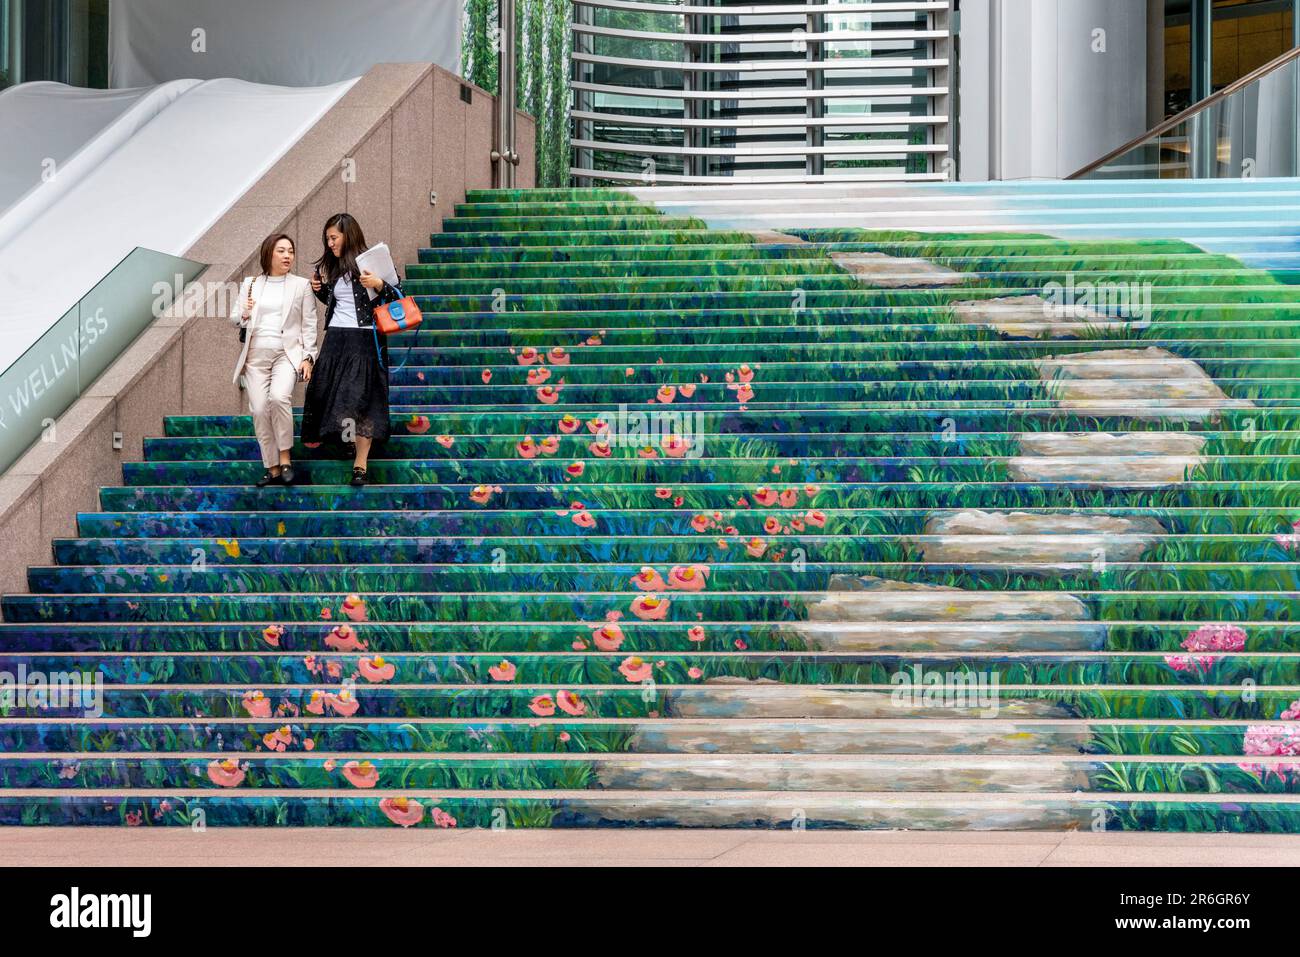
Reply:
x=1048, y=86
x=408, y=132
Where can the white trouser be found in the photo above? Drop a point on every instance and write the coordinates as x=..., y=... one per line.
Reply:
x=271, y=378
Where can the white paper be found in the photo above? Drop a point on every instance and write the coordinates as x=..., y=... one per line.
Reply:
x=378, y=260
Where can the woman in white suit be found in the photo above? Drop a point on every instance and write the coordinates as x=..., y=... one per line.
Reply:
x=278, y=315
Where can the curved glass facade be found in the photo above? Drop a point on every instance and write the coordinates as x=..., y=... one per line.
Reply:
x=785, y=91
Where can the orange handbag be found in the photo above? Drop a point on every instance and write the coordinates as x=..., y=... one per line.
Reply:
x=401, y=316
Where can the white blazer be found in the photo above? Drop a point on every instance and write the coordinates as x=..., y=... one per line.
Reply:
x=298, y=331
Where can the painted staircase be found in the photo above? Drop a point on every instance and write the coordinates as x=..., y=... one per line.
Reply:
x=694, y=521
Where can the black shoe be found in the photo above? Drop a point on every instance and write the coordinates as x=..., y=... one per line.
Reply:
x=286, y=475
x=267, y=479
x=358, y=477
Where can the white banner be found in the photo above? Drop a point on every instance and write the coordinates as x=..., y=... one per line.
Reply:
x=284, y=43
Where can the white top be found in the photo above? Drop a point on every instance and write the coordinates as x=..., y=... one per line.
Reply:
x=345, y=308
x=271, y=308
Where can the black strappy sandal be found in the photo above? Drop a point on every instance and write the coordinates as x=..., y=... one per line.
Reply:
x=358, y=477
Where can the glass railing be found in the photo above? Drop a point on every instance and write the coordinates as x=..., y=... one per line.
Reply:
x=1247, y=129
x=46, y=379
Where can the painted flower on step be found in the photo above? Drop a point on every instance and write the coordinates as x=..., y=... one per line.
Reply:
x=402, y=811
x=772, y=525
x=256, y=704
x=548, y=395
x=663, y=493
x=575, y=469
x=527, y=356
x=1216, y=638
x=651, y=607
x=344, y=638
x=666, y=394
x=272, y=634
x=755, y=547
x=445, y=441
x=503, y=671
x=376, y=669
x=538, y=376
x=344, y=704
x=442, y=819
x=688, y=577
x=315, y=703
x=696, y=634
x=597, y=426
x=558, y=356
x=527, y=448
x=1290, y=542
x=584, y=520
x=647, y=579
x=278, y=740
x=418, y=424
x=361, y=774
x=686, y=390
x=600, y=449
x=789, y=498
x=701, y=523
x=675, y=446
x=635, y=669
x=1190, y=663
x=482, y=494
x=228, y=773
x=543, y=706
x=744, y=394
x=608, y=637
x=766, y=497
x=816, y=519
x=549, y=445
x=354, y=608
x=648, y=452
x=568, y=425
x=1277, y=740
x=570, y=704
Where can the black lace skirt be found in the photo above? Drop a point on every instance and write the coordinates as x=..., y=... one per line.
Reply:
x=349, y=387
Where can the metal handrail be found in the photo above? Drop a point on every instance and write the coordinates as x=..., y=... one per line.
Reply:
x=1191, y=111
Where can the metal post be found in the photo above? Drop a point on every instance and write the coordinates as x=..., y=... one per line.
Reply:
x=504, y=156
x=815, y=109
x=1203, y=137
x=16, y=41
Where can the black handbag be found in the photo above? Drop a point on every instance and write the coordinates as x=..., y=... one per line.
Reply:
x=243, y=330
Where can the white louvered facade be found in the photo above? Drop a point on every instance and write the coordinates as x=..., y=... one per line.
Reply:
x=780, y=92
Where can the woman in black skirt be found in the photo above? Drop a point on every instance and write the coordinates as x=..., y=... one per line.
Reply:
x=347, y=399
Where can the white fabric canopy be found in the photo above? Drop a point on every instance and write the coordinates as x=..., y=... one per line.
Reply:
x=162, y=186
x=69, y=129
x=285, y=42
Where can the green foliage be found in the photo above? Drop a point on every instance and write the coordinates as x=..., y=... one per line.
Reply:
x=543, y=44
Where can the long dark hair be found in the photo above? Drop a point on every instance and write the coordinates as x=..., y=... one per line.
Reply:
x=354, y=242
